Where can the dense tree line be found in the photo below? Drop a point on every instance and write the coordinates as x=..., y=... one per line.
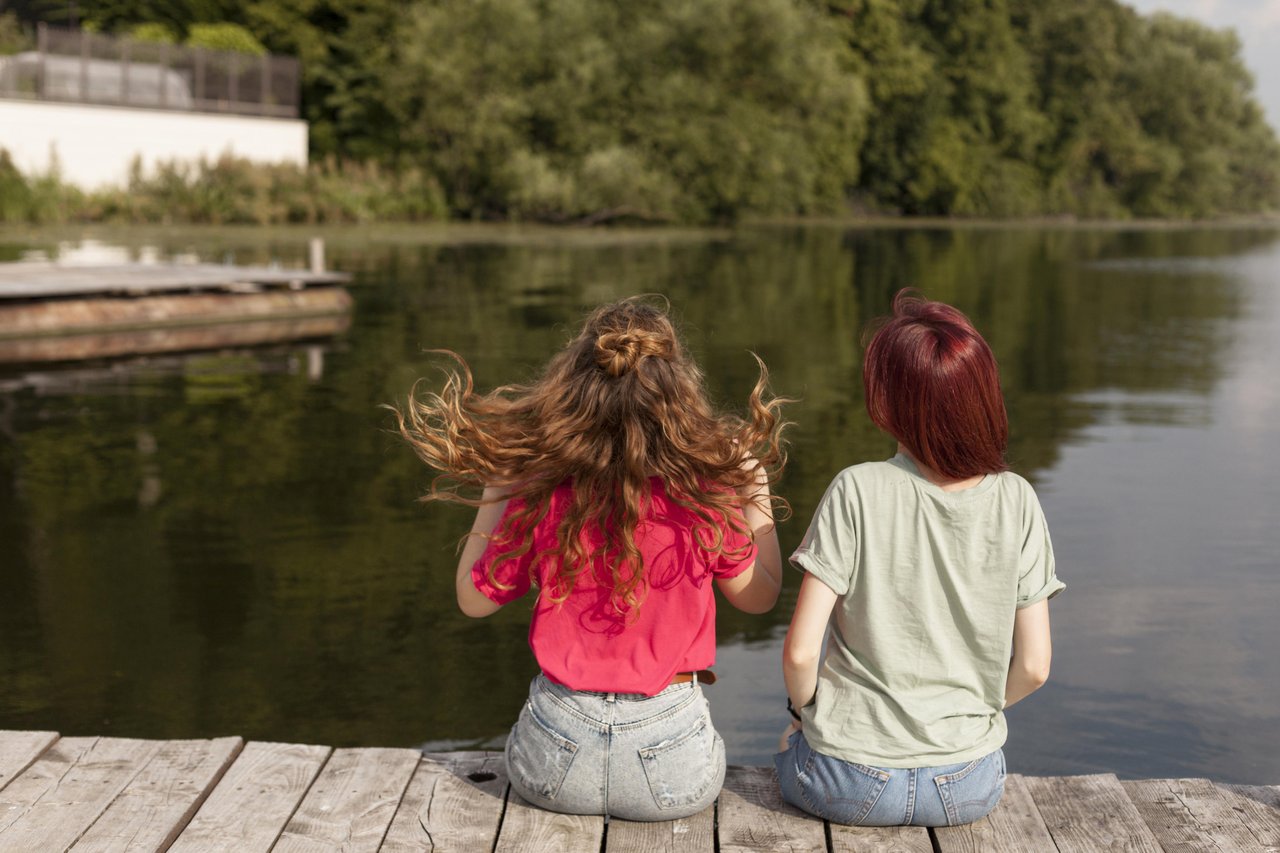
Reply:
x=707, y=110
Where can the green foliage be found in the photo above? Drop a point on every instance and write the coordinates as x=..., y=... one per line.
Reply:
x=565, y=109
x=709, y=110
x=229, y=191
x=13, y=38
x=228, y=37
x=153, y=32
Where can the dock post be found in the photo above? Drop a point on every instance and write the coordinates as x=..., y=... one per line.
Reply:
x=317, y=254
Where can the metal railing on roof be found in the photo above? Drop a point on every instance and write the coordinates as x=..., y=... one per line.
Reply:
x=75, y=66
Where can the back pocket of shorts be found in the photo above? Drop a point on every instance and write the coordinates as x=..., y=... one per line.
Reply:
x=972, y=792
x=538, y=757
x=682, y=769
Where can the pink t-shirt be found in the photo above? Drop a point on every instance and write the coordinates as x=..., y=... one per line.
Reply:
x=583, y=642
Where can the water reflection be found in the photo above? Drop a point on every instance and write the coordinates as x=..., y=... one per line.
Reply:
x=225, y=549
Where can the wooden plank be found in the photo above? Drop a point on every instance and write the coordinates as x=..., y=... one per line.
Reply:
x=529, y=829
x=753, y=816
x=255, y=799
x=695, y=834
x=19, y=749
x=1189, y=814
x=44, y=280
x=351, y=803
x=454, y=802
x=60, y=795
x=1088, y=813
x=879, y=839
x=1014, y=826
x=154, y=807
x=1258, y=807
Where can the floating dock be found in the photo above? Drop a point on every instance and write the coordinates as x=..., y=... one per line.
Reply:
x=54, y=312
x=192, y=796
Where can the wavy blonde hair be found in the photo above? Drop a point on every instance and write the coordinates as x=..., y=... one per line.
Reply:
x=622, y=402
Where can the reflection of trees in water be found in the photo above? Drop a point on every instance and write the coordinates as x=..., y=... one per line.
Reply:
x=284, y=584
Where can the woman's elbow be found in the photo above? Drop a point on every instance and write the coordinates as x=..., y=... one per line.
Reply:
x=1035, y=672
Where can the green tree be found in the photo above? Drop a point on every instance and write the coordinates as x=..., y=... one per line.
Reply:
x=697, y=111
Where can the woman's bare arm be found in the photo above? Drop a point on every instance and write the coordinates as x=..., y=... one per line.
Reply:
x=1032, y=652
x=803, y=647
x=756, y=589
x=471, y=600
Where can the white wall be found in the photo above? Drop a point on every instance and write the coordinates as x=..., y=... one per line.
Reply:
x=95, y=145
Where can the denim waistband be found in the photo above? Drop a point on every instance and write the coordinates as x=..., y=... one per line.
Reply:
x=548, y=684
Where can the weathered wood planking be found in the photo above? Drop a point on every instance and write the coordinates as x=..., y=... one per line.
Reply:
x=1013, y=827
x=879, y=839
x=1258, y=807
x=19, y=749
x=63, y=792
x=1189, y=814
x=454, y=802
x=255, y=799
x=753, y=816
x=1089, y=813
x=157, y=804
x=44, y=280
x=529, y=829
x=351, y=803
x=695, y=834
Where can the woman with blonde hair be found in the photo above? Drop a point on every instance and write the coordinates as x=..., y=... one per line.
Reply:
x=615, y=492
x=933, y=570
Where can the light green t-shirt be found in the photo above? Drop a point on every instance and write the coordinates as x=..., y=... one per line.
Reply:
x=929, y=582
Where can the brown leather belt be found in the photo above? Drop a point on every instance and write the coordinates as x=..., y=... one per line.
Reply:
x=705, y=676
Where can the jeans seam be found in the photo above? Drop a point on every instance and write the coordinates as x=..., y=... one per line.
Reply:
x=911, y=798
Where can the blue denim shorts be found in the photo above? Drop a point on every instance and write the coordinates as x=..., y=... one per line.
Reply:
x=620, y=754
x=860, y=795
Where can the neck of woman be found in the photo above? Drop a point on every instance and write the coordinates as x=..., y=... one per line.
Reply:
x=942, y=481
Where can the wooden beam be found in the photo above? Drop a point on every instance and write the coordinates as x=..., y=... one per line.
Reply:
x=64, y=791
x=159, y=802
x=454, y=802
x=753, y=816
x=529, y=829
x=1189, y=814
x=1089, y=813
x=255, y=799
x=19, y=749
x=351, y=803
x=695, y=834
x=1015, y=825
x=879, y=839
x=1258, y=807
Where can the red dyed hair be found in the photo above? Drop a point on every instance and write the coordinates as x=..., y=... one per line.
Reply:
x=931, y=382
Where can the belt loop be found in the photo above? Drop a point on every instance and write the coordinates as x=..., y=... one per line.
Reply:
x=609, y=697
x=695, y=679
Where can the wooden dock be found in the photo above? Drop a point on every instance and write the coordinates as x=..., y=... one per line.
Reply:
x=48, y=280
x=51, y=312
x=191, y=796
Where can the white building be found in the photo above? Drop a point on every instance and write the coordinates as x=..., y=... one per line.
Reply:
x=65, y=107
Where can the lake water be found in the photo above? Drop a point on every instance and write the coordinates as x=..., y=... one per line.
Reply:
x=229, y=543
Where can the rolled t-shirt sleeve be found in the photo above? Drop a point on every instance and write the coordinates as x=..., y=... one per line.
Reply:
x=1037, y=577
x=830, y=545
x=510, y=578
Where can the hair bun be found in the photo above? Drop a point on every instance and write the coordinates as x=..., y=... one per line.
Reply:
x=619, y=353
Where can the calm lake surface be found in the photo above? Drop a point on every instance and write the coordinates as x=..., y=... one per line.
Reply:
x=229, y=543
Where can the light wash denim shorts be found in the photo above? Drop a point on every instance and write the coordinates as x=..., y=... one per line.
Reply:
x=859, y=795
x=625, y=755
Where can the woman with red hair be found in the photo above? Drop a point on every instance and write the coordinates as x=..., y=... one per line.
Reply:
x=933, y=570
